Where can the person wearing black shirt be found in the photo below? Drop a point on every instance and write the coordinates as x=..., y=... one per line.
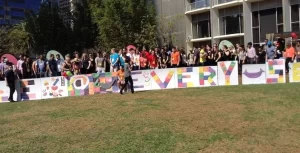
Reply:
x=261, y=56
x=10, y=81
x=52, y=66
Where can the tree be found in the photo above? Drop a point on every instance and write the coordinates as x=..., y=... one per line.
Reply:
x=3, y=39
x=166, y=27
x=84, y=30
x=19, y=40
x=124, y=22
x=47, y=29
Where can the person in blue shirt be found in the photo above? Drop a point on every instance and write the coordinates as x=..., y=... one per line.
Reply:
x=114, y=59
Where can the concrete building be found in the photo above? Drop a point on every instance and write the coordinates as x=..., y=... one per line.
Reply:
x=67, y=7
x=239, y=21
x=170, y=10
x=13, y=11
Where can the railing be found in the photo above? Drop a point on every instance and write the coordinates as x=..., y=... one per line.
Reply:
x=222, y=1
x=198, y=5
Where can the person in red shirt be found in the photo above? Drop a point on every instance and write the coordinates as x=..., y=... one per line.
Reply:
x=175, y=58
x=153, y=60
x=145, y=52
x=143, y=62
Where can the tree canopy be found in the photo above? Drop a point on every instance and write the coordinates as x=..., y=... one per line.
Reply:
x=125, y=22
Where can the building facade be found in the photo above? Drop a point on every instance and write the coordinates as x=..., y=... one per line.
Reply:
x=13, y=11
x=67, y=7
x=173, y=10
x=239, y=21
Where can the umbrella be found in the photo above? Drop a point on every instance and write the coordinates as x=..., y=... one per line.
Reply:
x=11, y=58
x=225, y=42
x=130, y=46
x=54, y=52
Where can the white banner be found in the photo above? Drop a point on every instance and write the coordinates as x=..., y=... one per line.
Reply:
x=228, y=73
x=254, y=74
x=141, y=80
x=4, y=92
x=54, y=87
x=275, y=71
x=163, y=79
x=30, y=89
x=294, y=74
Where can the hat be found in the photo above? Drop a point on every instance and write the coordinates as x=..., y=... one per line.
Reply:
x=269, y=43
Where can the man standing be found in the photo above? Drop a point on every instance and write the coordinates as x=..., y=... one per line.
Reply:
x=19, y=66
x=53, y=69
x=127, y=74
x=100, y=63
x=10, y=81
x=251, y=54
x=175, y=58
x=2, y=68
x=290, y=54
x=114, y=59
x=271, y=51
x=39, y=67
x=196, y=56
x=59, y=63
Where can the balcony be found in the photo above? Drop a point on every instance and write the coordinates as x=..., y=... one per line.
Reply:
x=226, y=3
x=198, y=6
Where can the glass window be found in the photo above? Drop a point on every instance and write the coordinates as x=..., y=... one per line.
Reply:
x=267, y=23
x=295, y=13
x=255, y=19
x=256, y=35
x=203, y=29
x=295, y=26
x=232, y=24
x=241, y=23
x=279, y=15
x=280, y=28
x=195, y=32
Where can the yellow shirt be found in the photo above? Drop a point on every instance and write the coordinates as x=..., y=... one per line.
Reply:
x=202, y=56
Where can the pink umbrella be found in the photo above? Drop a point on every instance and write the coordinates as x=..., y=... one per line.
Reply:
x=130, y=46
x=11, y=58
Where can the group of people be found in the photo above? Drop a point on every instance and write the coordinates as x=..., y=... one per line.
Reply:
x=124, y=61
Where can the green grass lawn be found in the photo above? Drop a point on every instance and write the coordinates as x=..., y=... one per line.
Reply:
x=261, y=118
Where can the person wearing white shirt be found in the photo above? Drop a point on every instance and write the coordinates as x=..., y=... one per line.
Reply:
x=59, y=62
x=19, y=66
x=136, y=60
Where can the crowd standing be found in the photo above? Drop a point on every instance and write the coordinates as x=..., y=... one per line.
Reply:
x=156, y=58
x=124, y=60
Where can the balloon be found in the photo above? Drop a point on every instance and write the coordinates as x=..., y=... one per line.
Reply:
x=64, y=74
x=294, y=35
x=69, y=73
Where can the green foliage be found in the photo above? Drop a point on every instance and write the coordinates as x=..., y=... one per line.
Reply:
x=166, y=27
x=3, y=39
x=19, y=39
x=121, y=23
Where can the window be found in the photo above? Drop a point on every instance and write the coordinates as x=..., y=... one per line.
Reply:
x=279, y=20
x=295, y=17
x=267, y=21
x=231, y=20
x=256, y=35
x=201, y=25
x=203, y=29
x=295, y=13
